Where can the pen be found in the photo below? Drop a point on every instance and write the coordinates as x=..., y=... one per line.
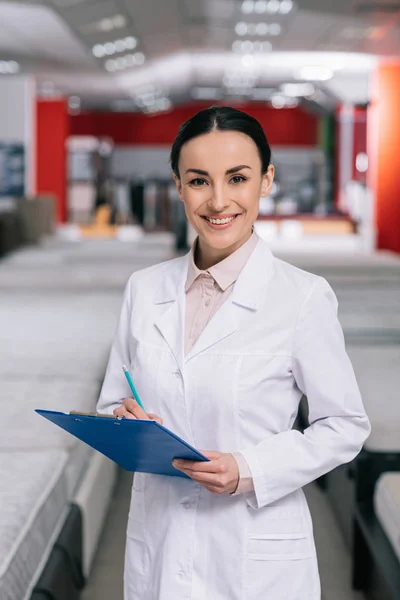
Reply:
x=131, y=385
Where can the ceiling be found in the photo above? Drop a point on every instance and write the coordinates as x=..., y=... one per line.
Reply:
x=187, y=48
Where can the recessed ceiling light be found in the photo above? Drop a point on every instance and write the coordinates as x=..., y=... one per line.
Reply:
x=13, y=66
x=247, y=46
x=120, y=45
x=98, y=50
x=267, y=46
x=315, y=73
x=241, y=28
x=273, y=6
x=286, y=6
x=110, y=66
x=248, y=7
x=275, y=29
x=237, y=46
x=106, y=24
x=140, y=58
x=119, y=21
x=130, y=42
x=260, y=6
x=262, y=28
x=109, y=48
x=296, y=90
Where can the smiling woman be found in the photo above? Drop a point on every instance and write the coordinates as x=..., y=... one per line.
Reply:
x=223, y=343
x=228, y=151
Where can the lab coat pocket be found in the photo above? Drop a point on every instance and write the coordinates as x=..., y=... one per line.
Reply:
x=279, y=546
x=280, y=566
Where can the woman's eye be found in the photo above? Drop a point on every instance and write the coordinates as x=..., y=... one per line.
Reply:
x=238, y=179
x=197, y=182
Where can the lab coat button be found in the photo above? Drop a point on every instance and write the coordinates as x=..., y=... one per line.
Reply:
x=177, y=374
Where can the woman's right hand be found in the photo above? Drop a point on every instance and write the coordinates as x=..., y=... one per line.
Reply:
x=130, y=409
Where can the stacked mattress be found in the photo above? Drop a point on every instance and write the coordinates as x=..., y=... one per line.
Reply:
x=387, y=507
x=59, y=306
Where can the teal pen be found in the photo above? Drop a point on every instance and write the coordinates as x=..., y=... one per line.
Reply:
x=131, y=385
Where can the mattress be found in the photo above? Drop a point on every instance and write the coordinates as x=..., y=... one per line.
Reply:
x=33, y=500
x=378, y=375
x=387, y=507
x=21, y=429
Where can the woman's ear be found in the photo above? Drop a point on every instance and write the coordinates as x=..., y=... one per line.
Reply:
x=267, y=182
x=178, y=184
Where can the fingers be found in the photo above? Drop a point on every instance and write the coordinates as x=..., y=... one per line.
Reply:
x=154, y=417
x=130, y=409
x=194, y=466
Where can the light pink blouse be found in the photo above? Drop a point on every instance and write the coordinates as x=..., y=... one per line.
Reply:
x=206, y=291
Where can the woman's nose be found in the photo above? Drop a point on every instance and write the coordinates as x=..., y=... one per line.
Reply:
x=218, y=200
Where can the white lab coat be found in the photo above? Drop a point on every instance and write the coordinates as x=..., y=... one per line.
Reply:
x=238, y=389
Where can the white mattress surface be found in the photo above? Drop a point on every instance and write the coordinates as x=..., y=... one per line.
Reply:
x=33, y=496
x=387, y=507
x=378, y=374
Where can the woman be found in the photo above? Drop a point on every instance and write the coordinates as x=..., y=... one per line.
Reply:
x=222, y=344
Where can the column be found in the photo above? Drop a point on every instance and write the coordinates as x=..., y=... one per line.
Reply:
x=52, y=131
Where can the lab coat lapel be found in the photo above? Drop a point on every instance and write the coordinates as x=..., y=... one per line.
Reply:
x=171, y=322
x=246, y=295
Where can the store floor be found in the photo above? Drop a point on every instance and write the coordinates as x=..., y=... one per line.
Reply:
x=106, y=578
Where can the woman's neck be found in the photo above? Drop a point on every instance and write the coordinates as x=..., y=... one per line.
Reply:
x=206, y=256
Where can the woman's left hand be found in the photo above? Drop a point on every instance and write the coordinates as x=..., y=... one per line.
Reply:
x=220, y=475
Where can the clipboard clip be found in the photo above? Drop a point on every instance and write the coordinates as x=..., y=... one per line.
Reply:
x=78, y=413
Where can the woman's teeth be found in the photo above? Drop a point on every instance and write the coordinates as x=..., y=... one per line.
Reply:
x=220, y=221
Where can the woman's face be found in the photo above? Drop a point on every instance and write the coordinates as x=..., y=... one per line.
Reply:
x=220, y=185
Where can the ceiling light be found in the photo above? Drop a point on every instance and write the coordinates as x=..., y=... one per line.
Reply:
x=262, y=28
x=237, y=46
x=315, y=73
x=130, y=60
x=140, y=58
x=130, y=42
x=275, y=29
x=109, y=48
x=74, y=102
x=241, y=28
x=8, y=67
x=257, y=46
x=110, y=66
x=273, y=6
x=281, y=101
x=252, y=29
x=260, y=6
x=119, y=21
x=266, y=46
x=106, y=24
x=296, y=90
x=247, y=46
x=98, y=50
x=120, y=63
x=286, y=6
x=120, y=45
x=248, y=7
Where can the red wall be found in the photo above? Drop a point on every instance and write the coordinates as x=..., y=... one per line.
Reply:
x=52, y=130
x=383, y=147
x=291, y=127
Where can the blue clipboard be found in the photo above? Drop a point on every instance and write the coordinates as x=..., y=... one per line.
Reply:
x=135, y=445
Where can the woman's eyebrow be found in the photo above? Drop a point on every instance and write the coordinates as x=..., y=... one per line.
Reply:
x=228, y=172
